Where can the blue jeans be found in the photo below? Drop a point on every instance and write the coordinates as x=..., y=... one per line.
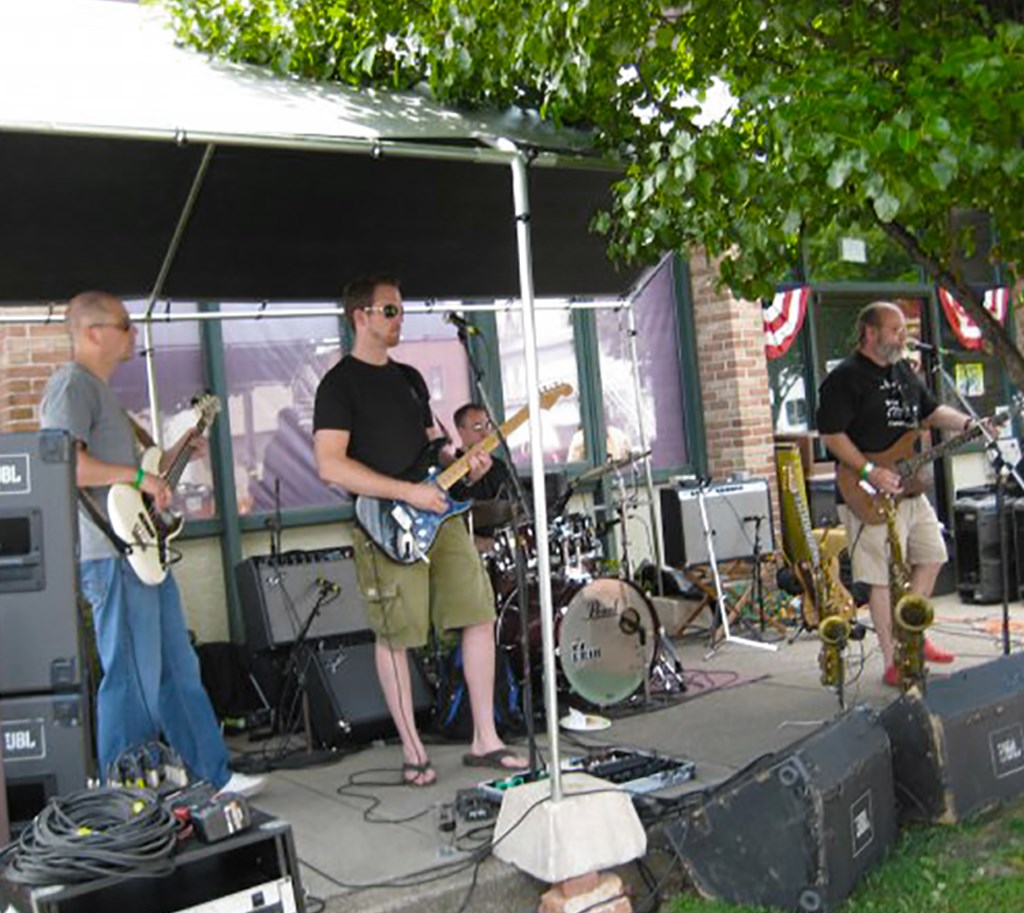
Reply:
x=151, y=682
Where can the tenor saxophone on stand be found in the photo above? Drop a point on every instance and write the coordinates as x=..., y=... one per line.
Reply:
x=912, y=613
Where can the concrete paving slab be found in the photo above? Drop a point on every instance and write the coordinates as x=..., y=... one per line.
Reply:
x=763, y=702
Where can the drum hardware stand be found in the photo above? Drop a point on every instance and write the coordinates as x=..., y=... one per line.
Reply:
x=525, y=517
x=723, y=612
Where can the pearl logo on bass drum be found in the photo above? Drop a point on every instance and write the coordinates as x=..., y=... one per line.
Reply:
x=24, y=740
x=14, y=474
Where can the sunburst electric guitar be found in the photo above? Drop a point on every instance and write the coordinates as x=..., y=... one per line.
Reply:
x=405, y=533
x=903, y=459
x=133, y=515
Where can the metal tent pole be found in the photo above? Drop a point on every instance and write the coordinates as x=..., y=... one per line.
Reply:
x=521, y=202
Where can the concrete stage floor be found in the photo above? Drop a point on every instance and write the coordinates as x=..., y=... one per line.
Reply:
x=376, y=847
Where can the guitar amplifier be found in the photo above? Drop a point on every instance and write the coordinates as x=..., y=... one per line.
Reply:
x=279, y=593
x=732, y=510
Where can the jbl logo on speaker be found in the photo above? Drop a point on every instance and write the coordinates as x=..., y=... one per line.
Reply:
x=862, y=824
x=24, y=740
x=14, y=474
x=1007, y=747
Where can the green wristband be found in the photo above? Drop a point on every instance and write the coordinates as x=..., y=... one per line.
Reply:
x=140, y=475
x=866, y=469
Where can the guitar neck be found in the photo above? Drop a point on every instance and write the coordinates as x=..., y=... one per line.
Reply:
x=181, y=459
x=460, y=467
x=912, y=464
x=800, y=499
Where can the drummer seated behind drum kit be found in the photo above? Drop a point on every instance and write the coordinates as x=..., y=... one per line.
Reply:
x=610, y=643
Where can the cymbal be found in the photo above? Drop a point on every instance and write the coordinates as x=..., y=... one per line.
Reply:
x=611, y=466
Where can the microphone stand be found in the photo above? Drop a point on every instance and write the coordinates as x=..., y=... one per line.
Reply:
x=1001, y=468
x=526, y=516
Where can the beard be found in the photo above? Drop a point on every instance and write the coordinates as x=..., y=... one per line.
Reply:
x=891, y=353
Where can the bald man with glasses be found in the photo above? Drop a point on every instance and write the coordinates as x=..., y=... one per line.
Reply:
x=150, y=687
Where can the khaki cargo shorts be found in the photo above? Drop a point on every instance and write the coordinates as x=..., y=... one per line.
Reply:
x=920, y=537
x=404, y=600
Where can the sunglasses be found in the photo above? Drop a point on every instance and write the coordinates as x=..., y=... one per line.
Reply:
x=123, y=325
x=390, y=311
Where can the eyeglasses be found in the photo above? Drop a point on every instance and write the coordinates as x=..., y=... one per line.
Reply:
x=485, y=425
x=123, y=325
x=390, y=311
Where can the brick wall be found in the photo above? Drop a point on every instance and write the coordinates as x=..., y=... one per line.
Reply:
x=28, y=355
x=733, y=371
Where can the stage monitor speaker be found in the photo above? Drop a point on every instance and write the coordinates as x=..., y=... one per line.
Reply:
x=278, y=595
x=732, y=509
x=345, y=698
x=47, y=752
x=799, y=829
x=39, y=645
x=958, y=749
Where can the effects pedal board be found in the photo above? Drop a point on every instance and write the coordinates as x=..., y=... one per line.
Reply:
x=637, y=772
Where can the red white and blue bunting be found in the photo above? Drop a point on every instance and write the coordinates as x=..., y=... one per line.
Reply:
x=783, y=317
x=997, y=303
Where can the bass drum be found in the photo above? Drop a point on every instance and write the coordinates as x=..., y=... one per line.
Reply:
x=606, y=632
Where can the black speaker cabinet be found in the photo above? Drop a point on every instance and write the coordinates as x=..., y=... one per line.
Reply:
x=799, y=829
x=979, y=563
x=958, y=749
x=47, y=742
x=736, y=511
x=345, y=698
x=278, y=594
x=39, y=639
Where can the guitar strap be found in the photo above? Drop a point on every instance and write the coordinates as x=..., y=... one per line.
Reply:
x=97, y=517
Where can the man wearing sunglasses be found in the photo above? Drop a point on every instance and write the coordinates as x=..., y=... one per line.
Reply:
x=372, y=424
x=151, y=684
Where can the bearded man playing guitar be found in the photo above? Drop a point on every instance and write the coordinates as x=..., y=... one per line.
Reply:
x=372, y=427
x=151, y=686
x=867, y=404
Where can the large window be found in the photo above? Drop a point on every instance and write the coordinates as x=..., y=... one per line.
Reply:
x=273, y=366
x=556, y=356
x=178, y=361
x=661, y=401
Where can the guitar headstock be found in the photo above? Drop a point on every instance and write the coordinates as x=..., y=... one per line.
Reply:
x=552, y=393
x=206, y=407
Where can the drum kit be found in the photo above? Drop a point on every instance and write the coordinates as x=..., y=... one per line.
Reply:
x=610, y=645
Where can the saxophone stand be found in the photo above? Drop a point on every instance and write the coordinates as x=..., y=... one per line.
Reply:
x=1002, y=469
x=524, y=518
x=723, y=612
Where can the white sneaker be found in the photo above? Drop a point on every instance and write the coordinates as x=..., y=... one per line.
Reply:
x=243, y=785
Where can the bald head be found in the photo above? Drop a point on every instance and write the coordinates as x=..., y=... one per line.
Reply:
x=875, y=315
x=89, y=308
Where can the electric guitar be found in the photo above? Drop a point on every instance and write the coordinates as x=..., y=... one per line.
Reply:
x=405, y=533
x=865, y=501
x=808, y=572
x=133, y=515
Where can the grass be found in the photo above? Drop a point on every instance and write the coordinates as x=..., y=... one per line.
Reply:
x=968, y=868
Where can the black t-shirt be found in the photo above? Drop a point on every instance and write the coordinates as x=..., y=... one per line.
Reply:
x=386, y=409
x=496, y=483
x=874, y=405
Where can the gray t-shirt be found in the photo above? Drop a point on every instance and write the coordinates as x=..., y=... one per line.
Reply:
x=77, y=401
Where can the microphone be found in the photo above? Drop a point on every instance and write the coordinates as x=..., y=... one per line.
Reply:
x=917, y=345
x=327, y=586
x=460, y=323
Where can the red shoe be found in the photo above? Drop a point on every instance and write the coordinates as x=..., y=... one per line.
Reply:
x=891, y=677
x=934, y=654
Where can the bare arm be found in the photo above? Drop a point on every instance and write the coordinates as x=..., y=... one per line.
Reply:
x=851, y=456
x=946, y=418
x=330, y=447
x=91, y=472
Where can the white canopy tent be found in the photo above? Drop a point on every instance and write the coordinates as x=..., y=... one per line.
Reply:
x=130, y=164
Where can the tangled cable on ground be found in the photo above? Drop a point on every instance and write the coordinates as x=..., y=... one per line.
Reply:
x=92, y=834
